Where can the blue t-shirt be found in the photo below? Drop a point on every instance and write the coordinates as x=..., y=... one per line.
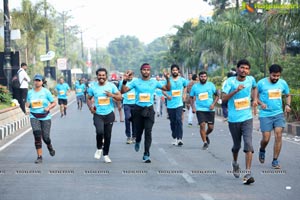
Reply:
x=104, y=104
x=239, y=105
x=176, y=92
x=62, y=90
x=271, y=95
x=79, y=89
x=204, y=94
x=128, y=97
x=39, y=101
x=144, y=91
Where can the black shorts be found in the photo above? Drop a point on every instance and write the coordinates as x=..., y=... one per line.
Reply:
x=62, y=101
x=208, y=117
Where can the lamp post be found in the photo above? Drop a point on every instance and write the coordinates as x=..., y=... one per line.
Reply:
x=7, y=48
x=48, y=71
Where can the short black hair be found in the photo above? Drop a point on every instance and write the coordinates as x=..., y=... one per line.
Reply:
x=23, y=64
x=202, y=72
x=101, y=69
x=275, y=68
x=194, y=77
x=174, y=66
x=243, y=62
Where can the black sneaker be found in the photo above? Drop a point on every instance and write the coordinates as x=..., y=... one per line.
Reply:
x=205, y=146
x=52, y=152
x=248, y=179
x=61, y=115
x=39, y=160
x=180, y=143
x=207, y=140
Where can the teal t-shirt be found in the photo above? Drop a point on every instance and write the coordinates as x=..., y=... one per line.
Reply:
x=176, y=92
x=104, y=104
x=39, y=101
x=204, y=95
x=79, y=89
x=62, y=90
x=128, y=97
x=144, y=91
x=271, y=95
x=239, y=105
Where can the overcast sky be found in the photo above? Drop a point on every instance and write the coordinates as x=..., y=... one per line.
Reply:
x=105, y=20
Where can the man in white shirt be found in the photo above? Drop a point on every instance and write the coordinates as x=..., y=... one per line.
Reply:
x=21, y=93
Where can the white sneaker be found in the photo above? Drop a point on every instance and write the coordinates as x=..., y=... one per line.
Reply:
x=180, y=143
x=98, y=154
x=107, y=159
x=175, y=142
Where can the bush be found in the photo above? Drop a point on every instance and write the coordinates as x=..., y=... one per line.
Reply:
x=295, y=105
x=5, y=96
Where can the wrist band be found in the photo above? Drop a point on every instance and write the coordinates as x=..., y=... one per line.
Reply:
x=124, y=82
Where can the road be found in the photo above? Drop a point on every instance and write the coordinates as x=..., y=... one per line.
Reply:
x=185, y=172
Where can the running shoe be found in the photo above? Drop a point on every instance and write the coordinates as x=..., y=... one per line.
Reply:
x=180, y=143
x=39, y=160
x=190, y=125
x=207, y=140
x=107, y=159
x=146, y=159
x=98, y=154
x=128, y=141
x=248, y=179
x=205, y=146
x=175, y=142
x=261, y=156
x=137, y=146
x=275, y=164
x=51, y=150
x=235, y=170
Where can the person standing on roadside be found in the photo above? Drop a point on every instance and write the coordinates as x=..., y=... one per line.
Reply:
x=271, y=115
x=143, y=114
x=21, y=93
x=239, y=91
x=62, y=89
x=100, y=99
x=40, y=101
x=204, y=97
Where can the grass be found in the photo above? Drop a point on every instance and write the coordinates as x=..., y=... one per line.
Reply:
x=4, y=105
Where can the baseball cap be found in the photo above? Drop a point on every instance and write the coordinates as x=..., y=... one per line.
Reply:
x=38, y=77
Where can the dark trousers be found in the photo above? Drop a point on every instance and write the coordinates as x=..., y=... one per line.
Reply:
x=21, y=95
x=143, y=124
x=103, y=125
x=175, y=116
x=128, y=120
x=224, y=109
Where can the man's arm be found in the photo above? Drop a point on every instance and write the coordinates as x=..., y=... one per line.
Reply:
x=90, y=104
x=288, y=99
x=167, y=87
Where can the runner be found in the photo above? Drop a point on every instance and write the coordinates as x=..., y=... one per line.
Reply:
x=62, y=89
x=102, y=108
x=271, y=116
x=80, y=90
x=143, y=114
x=203, y=104
x=40, y=101
x=238, y=92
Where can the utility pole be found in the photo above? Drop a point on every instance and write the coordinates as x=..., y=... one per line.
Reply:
x=48, y=71
x=7, y=48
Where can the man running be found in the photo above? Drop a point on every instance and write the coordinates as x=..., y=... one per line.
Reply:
x=271, y=116
x=103, y=93
x=203, y=94
x=80, y=90
x=143, y=113
x=62, y=89
x=238, y=91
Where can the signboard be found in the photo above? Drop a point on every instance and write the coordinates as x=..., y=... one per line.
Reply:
x=49, y=56
x=62, y=63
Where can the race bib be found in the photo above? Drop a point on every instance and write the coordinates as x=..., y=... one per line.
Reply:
x=203, y=96
x=37, y=103
x=241, y=104
x=61, y=92
x=103, y=101
x=144, y=97
x=78, y=90
x=131, y=96
x=176, y=93
x=274, y=94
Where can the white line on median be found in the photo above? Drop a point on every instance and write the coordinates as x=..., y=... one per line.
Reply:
x=206, y=196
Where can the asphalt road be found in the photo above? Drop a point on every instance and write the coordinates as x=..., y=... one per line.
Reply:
x=185, y=172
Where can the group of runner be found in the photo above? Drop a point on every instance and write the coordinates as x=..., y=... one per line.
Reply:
x=241, y=92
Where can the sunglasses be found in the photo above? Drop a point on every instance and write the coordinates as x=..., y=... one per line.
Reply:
x=37, y=80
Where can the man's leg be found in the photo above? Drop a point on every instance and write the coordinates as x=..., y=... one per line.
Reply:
x=127, y=113
x=172, y=117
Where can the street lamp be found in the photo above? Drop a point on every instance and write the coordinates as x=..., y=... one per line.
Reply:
x=7, y=48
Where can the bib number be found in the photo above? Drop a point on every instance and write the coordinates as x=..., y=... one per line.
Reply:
x=242, y=104
x=103, y=101
x=274, y=94
x=176, y=93
x=203, y=96
x=144, y=97
x=37, y=103
x=131, y=96
x=61, y=92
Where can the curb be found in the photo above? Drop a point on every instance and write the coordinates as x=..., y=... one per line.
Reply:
x=12, y=127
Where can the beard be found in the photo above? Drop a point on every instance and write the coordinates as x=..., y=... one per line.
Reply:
x=175, y=75
x=274, y=80
x=203, y=81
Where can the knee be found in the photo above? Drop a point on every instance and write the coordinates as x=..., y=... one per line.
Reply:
x=236, y=148
x=37, y=139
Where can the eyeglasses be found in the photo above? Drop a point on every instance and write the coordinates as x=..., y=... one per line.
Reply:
x=37, y=80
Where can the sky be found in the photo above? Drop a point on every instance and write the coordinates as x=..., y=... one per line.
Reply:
x=105, y=20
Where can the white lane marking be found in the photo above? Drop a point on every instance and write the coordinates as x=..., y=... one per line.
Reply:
x=206, y=196
x=171, y=160
x=188, y=178
x=24, y=133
